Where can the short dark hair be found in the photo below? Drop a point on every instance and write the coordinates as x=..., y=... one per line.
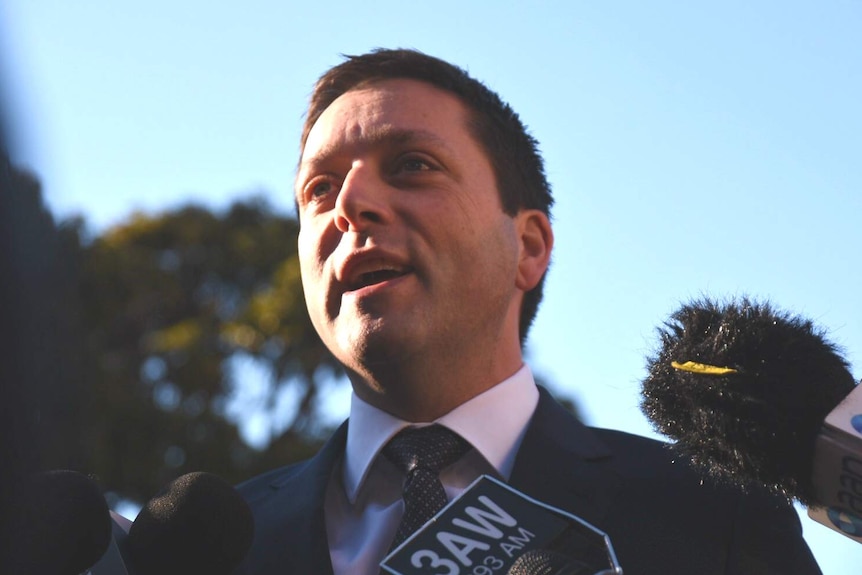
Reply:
x=518, y=166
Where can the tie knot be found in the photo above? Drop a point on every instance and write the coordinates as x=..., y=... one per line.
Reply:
x=432, y=448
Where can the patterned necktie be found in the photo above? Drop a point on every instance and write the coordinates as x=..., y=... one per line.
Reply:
x=421, y=453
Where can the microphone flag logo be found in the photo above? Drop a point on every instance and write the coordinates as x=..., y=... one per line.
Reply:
x=489, y=526
x=847, y=522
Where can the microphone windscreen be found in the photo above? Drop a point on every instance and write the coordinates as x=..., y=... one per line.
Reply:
x=744, y=390
x=544, y=562
x=198, y=524
x=61, y=524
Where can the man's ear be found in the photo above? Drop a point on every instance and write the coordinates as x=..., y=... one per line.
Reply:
x=536, y=242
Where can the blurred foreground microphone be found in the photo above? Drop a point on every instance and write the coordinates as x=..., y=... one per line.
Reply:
x=493, y=529
x=752, y=396
x=198, y=524
x=60, y=525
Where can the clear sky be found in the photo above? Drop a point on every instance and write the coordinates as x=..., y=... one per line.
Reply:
x=694, y=148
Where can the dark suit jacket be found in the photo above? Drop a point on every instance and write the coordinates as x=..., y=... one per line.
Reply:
x=661, y=517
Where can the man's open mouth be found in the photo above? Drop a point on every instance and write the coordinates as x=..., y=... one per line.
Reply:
x=376, y=277
x=373, y=272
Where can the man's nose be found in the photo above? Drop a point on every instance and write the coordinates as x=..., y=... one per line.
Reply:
x=362, y=201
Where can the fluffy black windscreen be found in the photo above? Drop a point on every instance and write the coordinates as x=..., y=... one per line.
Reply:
x=756, y=426
x=60, y=525
x=198, y=524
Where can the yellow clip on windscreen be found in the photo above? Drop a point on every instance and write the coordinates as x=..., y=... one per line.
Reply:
x=703, y=368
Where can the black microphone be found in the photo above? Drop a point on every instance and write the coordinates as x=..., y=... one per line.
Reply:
x=198, y=524
x=490, y=526
x=60, y=525
x=745, y=389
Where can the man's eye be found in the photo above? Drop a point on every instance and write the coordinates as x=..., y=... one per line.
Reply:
x=415, y=165
x=319, y=187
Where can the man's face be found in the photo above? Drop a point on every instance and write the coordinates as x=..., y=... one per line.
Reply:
x=406, y=253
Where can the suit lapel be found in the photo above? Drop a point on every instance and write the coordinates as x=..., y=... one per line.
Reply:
x=562, y=463
x=291, y=519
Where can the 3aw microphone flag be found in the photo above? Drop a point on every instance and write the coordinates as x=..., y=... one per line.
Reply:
x=489, y=526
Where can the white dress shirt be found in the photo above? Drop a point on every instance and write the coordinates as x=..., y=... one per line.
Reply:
x=363, y=499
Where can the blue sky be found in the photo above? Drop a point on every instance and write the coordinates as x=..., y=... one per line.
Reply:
x=694, y=148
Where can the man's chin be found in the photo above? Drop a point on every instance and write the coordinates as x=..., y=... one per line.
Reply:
x=375, y=347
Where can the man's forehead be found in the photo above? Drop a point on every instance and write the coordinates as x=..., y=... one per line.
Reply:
x=398, y=111
x=400, y=98
x=376, y=136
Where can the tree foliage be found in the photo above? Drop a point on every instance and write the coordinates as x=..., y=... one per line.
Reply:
x=169, y=302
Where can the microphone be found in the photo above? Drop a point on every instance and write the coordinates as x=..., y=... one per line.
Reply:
x=492, y=528
x=749, y=394
x=198, y=524
x=60, y=525
x=547, y=563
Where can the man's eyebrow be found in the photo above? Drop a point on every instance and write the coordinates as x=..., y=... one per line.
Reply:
x=379, y=136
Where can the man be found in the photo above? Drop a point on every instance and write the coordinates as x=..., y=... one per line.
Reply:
x=424, y=241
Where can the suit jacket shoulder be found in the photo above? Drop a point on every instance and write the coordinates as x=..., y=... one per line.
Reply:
x=662, y=516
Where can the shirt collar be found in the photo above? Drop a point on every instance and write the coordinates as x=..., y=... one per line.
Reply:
x=493, y=422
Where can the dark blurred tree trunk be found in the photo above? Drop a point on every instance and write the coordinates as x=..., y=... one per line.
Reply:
x=40, y=344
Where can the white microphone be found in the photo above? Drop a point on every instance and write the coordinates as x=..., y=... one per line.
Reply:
x=837, y=469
